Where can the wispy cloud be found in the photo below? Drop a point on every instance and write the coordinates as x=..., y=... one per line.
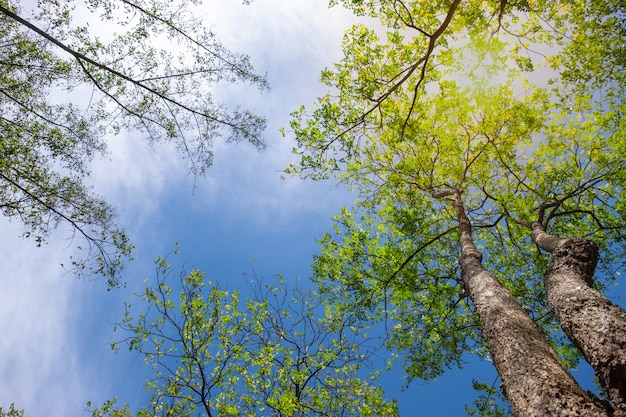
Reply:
x=38, y=367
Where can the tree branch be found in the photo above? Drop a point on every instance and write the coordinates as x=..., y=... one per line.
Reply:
x=423, y=61
x=82, y=58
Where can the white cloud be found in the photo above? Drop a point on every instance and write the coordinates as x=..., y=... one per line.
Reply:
x=54, y=352
x=37, y=361
x=292, y=41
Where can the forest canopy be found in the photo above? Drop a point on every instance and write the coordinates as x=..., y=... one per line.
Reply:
x=483, y=142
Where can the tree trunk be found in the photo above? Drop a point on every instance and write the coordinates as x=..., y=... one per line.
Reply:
x=534, y=379
x=592, y=322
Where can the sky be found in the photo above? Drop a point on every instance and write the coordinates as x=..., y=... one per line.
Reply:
x=56, y=330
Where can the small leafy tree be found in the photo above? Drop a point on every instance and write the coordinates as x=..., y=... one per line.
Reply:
x=64, y=87
x=275, y=354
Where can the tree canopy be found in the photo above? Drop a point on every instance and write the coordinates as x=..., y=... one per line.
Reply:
x=484, y=140
x=513, y=108
x=277, y=353
x=66, y=85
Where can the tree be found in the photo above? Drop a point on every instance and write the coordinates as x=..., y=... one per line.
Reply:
x=452, y=150
x=276, y=354
x=67, y=84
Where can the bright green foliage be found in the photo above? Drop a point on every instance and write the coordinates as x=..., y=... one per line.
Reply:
x=63, y=87
x=273, y=354
x=398, y=258
x=11, y=412
x=434, y=99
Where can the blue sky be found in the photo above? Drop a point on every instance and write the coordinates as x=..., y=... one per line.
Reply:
x=54, y=353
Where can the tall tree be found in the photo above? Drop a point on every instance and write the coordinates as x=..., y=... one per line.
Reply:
x=66, y=83
x=274, y=354
x=440, y=108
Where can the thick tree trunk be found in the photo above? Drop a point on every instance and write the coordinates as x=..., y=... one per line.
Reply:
x=594, y=324
x=534, y=379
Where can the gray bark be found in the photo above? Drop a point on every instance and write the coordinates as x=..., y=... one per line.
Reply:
x=534, y=379
x=591, y=321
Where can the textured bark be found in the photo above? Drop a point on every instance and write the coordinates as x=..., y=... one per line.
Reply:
x=534, y=379
x=593, y=323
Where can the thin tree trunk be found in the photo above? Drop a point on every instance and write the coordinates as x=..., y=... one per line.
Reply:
x=534, y=379
x=591, y=321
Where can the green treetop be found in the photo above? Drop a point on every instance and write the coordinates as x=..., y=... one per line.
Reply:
x=275, y=354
